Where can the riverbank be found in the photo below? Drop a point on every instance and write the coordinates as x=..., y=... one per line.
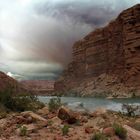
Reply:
x=65, y=124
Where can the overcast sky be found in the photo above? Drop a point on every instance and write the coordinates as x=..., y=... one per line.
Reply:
x=36, y=36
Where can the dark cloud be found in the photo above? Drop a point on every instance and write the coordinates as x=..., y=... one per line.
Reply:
x=36, y=36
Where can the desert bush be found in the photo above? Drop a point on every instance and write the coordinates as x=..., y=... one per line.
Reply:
x=23, y=130
x=120, y=131
x=54, y=104
x=65, y=129
x=99, y=136
x=19, y=102
x=130, y=110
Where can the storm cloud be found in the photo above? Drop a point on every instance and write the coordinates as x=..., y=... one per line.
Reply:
x=36, y=36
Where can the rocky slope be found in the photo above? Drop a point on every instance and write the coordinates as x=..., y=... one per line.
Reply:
x=8, y=84
x=65, y=124
x=39, y=87
x=107, y=61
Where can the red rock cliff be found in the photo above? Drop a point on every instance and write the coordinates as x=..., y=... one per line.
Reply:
x=112, y=51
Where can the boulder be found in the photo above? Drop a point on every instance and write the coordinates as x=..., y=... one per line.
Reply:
x=109, y=131
x=44, y=111
x=132, y=133
x=67, y=115
x=33, y=115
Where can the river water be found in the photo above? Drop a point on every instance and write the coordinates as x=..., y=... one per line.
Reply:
x=91, y=104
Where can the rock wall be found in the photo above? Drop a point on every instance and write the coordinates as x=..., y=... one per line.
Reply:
x=38, y=87
x=112, y=51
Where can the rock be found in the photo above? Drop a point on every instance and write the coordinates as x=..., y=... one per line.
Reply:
x=99, y=112
x=89, y=130
x=31, y=128
x=3, y=122
x=44, y=111
x=132, y=133
x=106, y=60
x=83, y=119
x=109, y=131
x=56, y=121
x=27, y=129
x=58, y=138
x=33, y=115
x=20, y=120
x=67, y=115
x=115, y=138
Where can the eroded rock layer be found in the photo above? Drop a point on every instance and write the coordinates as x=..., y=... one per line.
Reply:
x=107, y=57
x=39, y=87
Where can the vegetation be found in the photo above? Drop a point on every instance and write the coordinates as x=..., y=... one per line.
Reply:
x=65, y=129
x=23, y=130
x=120, y=131
x=99, y=136
x=130, y=110
x=19, y=102
x=54, y=104
x=50, y=122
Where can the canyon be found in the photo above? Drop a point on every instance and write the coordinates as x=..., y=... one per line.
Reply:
x=107, y=61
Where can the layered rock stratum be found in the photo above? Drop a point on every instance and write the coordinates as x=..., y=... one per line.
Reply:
x=39, y=87
x=107, y=61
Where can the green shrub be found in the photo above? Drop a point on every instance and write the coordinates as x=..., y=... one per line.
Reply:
x=120, y=131
x=54, y=104
x=19, y=102
x=23, y=130
x=50, y=122
x=99, y=136
x=65, y=129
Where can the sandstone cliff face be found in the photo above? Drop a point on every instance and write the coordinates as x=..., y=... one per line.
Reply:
x=107, y=57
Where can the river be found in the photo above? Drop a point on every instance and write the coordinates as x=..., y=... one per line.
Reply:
x=91, y=104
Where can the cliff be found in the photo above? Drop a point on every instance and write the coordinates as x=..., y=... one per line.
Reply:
x=8, y=84
x=107, y=61
x=38, y=87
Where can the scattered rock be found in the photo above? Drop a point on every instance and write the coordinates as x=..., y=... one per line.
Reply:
x=109, y=131
x=89, y=130
x=33, y=115
x=44, y=111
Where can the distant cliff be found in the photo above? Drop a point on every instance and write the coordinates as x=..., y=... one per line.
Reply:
x=38, y=87
x=107, y=61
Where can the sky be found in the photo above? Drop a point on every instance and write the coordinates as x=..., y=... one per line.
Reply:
x=36, y=36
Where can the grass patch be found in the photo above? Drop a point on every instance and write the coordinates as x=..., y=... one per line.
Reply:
x=65, y=129
x=120, y=131
x=99, y=136
x=23, y=131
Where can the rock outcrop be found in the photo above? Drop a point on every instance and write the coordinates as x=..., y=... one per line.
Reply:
x=107, y=60
x=8, y=84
